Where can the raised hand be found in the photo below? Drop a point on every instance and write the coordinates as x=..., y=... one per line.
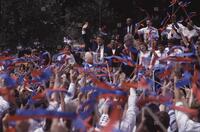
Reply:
x=85, y=26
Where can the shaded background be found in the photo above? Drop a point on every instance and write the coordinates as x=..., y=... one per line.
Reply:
x=22, y=22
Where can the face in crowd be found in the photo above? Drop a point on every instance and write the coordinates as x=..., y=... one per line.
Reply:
x=161, y=48
x=143, y=47
x=99, y=40
x=128, y=21
x=149, y=23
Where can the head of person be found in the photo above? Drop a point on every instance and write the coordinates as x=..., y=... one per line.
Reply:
x=99, y=40
x=113, y=44
x=117, y=37
x=161, y=48
x=164, y=119
x=128, y=21
x=143, y=47
x=149, y=23
x=145, y=123
x=67, y=49
x=173, y=18
x=128, y=40
x=103, y=28
x=88, y=58
x=190, y=25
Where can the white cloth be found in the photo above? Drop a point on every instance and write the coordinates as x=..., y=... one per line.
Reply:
x=99, y=54
x=4, y=105
x=103, y=103
x=70, y=58
x=172, y=123
x=53, y=105
x=184, y=123
x=172, y=34
x=128, y=123
x=72, y=91
x=36, y=126
x=145, y=59
x=189, y=33
x=160, y=56
x=149, y=33
x=129, y=29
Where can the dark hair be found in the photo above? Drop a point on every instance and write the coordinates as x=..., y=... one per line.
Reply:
x=164, y=119
x=100, y=36
x=148, y=124
x=153, y=107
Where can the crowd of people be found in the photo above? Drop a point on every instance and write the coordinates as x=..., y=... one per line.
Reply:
x=143, y=79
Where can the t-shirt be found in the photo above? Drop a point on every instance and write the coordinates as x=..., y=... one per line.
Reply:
x=149, y=33
x=189, y=33
x=4, y=105
x=145, y=59
x=172, y=33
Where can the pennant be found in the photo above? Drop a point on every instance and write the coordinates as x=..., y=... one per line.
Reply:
x=48, y=92
x=115, y=116
x=178, y=59
x=192, y=112
x=182, y=83
x=118, y=59
x=159, y=99
x=8, y=81
x=40, y=113
x=140, y=84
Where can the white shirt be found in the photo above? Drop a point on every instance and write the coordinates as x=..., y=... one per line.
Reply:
x=4, y=105
x=172, y=34
x=149, y=33
x=36, y=126
x=99, y=55
x=72, y=91
x=189, y=33
x=129, y=29
x=128, y=122
x=160, y=56
x=184, y=123
x=145, y=59
x=70, y=58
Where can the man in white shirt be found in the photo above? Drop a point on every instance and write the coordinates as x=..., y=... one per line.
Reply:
x=67, y=55
x=4, y=105
x=149, y=33
x=185, y=124
x=173, y=32
x=159, y=54
x=189, y=32
x=144, y=56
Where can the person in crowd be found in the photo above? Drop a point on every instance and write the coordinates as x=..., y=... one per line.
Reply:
x=144, y=56
x=173, y=29
x=86, y=35
x=149, y=33
x=129, y=28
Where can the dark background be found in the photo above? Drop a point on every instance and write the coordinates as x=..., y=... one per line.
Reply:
x=48, y=21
